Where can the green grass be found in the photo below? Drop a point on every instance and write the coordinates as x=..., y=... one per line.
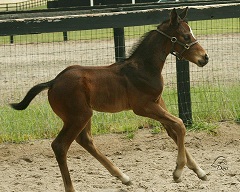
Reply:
x=39, y=7
x=38, y=121
x=207, y=27
x=203, y=126
x=219, y=26
x=216, y=103
x=209, y=104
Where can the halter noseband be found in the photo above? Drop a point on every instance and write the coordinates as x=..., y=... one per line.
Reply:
x=175, y=40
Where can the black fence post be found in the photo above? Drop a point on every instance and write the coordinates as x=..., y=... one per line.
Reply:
x=65, y=36
x=119, y=44
x=11, y=39
x=184, y=94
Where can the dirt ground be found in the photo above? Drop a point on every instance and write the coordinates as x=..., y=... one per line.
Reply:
x=148, y=159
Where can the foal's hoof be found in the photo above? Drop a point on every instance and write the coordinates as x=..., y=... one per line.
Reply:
x=177, y=179
x=128, y=183
x=204, y=178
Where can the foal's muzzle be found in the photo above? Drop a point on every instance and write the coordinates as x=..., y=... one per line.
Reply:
x=202, y=62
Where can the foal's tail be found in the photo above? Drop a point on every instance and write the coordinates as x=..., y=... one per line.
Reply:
x=31, y=94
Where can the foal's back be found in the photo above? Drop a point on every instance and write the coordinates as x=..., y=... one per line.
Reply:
x=100, y=88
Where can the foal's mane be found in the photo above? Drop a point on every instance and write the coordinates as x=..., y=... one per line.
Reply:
x=146, y=36
x=139, y=42
x=143, y=38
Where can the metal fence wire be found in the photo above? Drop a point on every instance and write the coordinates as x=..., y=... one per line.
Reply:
x=215, y=89
x=22, y=5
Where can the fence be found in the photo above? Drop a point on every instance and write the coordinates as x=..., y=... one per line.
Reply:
x=35, y=58
x=18, y=6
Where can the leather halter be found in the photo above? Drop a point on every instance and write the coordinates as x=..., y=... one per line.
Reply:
x=175, y=40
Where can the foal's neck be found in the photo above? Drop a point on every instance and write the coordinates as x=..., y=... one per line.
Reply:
x=151, y=53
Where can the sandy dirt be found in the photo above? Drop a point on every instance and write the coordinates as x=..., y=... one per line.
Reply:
x=148, y=159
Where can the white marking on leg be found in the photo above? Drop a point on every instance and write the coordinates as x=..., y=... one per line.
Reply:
x=124, y=178
x=200, y=173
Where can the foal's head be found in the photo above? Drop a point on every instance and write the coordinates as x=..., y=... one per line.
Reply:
x=182, y=42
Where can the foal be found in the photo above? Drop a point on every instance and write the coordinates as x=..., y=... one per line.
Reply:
x=134, y=84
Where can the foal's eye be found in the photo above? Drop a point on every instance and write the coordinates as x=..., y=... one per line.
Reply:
x=186, y=37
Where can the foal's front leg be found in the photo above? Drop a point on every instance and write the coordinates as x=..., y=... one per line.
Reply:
x=155, y=111
x=191, y=163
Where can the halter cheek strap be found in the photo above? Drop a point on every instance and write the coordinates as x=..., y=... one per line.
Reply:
x=175, y=40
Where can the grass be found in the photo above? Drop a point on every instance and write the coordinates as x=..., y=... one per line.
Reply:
x=39, y=7
x=38, y=121
x=216, y=103
x=218, y=26
x=203, y=126
x=207, y=27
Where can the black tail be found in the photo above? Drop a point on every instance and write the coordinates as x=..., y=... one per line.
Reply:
x=31, y=94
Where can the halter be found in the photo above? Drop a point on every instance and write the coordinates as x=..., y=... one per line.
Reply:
x=175, y=40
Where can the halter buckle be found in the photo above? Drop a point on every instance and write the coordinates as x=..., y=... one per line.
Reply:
x=187, y=46
x=173, y=39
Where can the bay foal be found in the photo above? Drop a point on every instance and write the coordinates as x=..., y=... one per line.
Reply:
x=133, y=84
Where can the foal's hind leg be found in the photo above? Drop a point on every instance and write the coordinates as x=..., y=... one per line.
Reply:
x=191, y=163
x=86, y=141
x=61, y=144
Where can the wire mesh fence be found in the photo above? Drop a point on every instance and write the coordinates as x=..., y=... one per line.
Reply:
x=21, y=5
x=37, y=58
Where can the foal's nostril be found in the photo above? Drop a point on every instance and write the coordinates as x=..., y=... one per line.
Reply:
x=206, y=57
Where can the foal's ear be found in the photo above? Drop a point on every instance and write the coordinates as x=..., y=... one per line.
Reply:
x=183, y=14
x=174, y=17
